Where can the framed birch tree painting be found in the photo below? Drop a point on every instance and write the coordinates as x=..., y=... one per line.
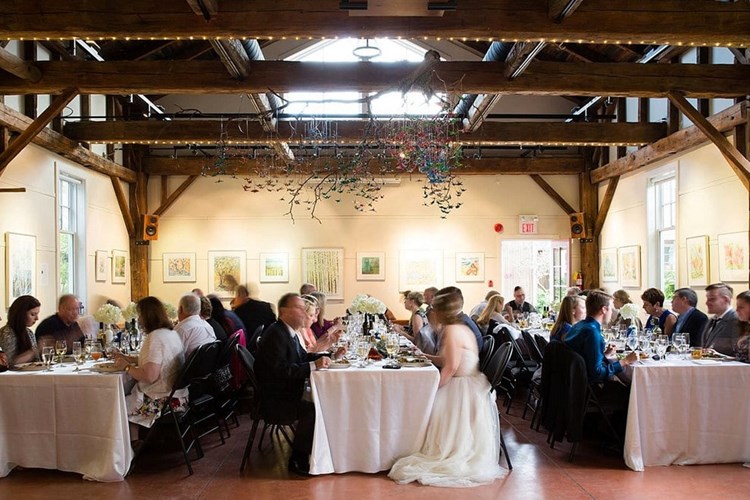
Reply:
x=324, y=268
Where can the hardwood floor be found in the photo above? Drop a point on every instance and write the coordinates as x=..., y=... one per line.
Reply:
x=538, y=472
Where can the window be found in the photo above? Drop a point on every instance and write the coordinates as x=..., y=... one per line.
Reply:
x=540, y=267
x=665, y=203
x=71, y=247
x=350, y=103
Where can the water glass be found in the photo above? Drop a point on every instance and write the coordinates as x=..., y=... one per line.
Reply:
x=48, y=354
x=662, y=343
x=79, y=354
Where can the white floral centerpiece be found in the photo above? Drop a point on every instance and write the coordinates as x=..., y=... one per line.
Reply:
x=108, y=314
x=130, y=312
x=629, y=311
x=363, y=303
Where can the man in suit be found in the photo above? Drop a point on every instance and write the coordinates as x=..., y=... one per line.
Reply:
x=282, y=366
x=721, y=332
x=691, y=320
x=255, y=313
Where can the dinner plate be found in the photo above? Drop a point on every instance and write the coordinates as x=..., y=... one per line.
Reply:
x=105, y=368
x=706, y=361
x=30, y=367
x=339, y=366
x=415, y=363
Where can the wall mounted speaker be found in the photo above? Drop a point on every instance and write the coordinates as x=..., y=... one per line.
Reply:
x=150, y=227
x=578, y=229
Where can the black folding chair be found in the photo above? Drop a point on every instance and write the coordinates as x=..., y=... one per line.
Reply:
x=201, y=385
x=494, y=372
x=252, y=342
x=488, y=349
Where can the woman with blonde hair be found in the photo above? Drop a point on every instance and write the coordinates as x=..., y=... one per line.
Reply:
x=619, y=299
x=307, y=337
x=493, y=310
x=414, y=302
x=572, y=310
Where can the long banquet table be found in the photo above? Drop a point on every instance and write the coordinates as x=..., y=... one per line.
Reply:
x=367, y=418
x=688, y=412
x=64, y=420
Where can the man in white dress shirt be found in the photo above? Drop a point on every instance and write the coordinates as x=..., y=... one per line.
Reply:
x=193, y=330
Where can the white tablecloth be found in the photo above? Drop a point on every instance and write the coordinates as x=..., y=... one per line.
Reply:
x=74, y=422
x=367, y=418
x=684, y=413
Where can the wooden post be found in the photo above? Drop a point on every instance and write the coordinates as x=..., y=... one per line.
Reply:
x=139, y=249
x=29, y=100
x=587, y=193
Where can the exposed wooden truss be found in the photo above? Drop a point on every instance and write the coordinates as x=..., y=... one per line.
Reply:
x=541, y=78
x=161, y=165
x=352, y=132
x=620, y=21
x=673, y=144
x=17, y=66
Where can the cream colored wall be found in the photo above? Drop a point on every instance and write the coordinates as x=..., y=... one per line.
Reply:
x=711, y=201
x=221, y=216
x=33, y=212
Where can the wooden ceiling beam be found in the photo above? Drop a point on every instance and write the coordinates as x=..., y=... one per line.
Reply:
x=541, y=78
x=664, y=22
x=57, y=143
x=680, y=141
x=560, y=9
x=736, y=160
x=17, y=66
x=353, y=132
x=191, y=165
x=556, y=197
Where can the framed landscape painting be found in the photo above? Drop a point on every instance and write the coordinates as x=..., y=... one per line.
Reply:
x=733, y=257
x=470, y=266
x=274, y=268
x=370, y=266
x=178, y=267
x=630, y=266
x=101, y=267
x=20, y=265
x=609, y=265
x=226, y=270
x=324, y=268
x=119, y=266
x=696, y=250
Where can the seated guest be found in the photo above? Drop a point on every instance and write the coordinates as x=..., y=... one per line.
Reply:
x=477, y=310
x=742, y=347
x=585, y=338
x=461, y=445
x=518, y=305
x=63, y=324
x=307, y=289
x=206, y=311
x=414, y=303
x=321, y=325
x=721, y=332
x=429, y=294
x=572, y=310
x=690, y=320
x=227, y=319
x=307, y=338
x=493, y=310
x=16, y=339
x=156, y=367
x=241, y=295
x=282, y=367
x=254, y=313
x=619, y=299
x=664, y=319
x=573, y=291
x=192, y=330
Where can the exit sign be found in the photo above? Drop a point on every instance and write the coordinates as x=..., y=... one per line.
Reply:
x=528, y=224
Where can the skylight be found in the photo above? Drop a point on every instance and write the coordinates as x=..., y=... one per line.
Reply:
x=343, y=104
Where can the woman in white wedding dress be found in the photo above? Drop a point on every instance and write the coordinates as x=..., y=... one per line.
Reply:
x=461, y=446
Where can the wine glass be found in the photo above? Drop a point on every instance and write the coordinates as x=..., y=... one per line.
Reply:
x=48, y=353
x=61, y=348
x=678, y=341
x=88, y=346
x=96, y=352
x=391, y=347
x=363, y=347
x=632, y=342
x=645, y=344
x=661, y=346
x=79, y=355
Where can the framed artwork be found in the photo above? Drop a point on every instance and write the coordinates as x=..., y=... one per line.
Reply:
x=274, y=268
x=178, y=267
x=733, y=258
x=101, y=261
x=630, y=266
x=119, y=266
x=20, y=265
x=470, y=266
x=226, y=270
x=324, y=268
x=696, y=250
x=370, y=266
x=419, y=269
x=609, y=265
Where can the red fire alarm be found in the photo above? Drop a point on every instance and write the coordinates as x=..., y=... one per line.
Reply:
x=490, y=283
x=499, y=228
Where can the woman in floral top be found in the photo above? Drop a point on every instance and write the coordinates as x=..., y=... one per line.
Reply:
x=16, y=338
